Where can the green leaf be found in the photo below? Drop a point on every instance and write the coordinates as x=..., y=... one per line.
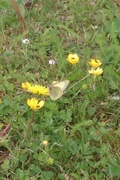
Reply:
x=6, y=165
x=9, y=86
x=114, y=171
x=85, y=124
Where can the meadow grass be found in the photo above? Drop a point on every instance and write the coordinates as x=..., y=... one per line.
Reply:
x=76, y=137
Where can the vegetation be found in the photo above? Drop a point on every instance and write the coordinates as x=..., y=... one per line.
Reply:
x=77, y=136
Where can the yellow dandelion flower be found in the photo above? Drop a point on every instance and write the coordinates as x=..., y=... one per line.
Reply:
x=35, y=104
x=95, y=63
x=73, y=58
x=96, y=72
x=38, y=89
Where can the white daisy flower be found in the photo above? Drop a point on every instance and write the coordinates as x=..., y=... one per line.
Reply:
x=25, y=41
x=52, y=62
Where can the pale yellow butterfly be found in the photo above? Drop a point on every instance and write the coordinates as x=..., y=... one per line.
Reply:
x=57, y=89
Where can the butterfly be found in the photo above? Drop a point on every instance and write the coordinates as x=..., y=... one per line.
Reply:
x=57, y=89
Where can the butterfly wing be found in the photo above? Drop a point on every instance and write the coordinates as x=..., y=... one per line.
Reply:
x=62, y=84
x=57, y=89
x=55, y=93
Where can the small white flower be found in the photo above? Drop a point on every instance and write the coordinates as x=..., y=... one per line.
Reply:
x=52, y=62
x=94, y=27
x=25, y=41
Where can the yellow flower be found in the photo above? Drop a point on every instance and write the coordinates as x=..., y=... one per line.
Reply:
x=95, y=63
x=73, y=58
x=96, y=72
x=38, y=89
x=26, y=85
x=35, y=104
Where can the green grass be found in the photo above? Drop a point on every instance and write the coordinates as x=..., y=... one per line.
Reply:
x=82, y=127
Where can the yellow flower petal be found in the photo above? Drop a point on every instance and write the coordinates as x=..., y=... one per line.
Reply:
x=26, y=85
x=41, y=103
x=96, y=72
x=95, y=63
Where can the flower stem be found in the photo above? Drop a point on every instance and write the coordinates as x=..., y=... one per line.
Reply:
x=20, y=16
x=78, y=82
x=29, y=125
